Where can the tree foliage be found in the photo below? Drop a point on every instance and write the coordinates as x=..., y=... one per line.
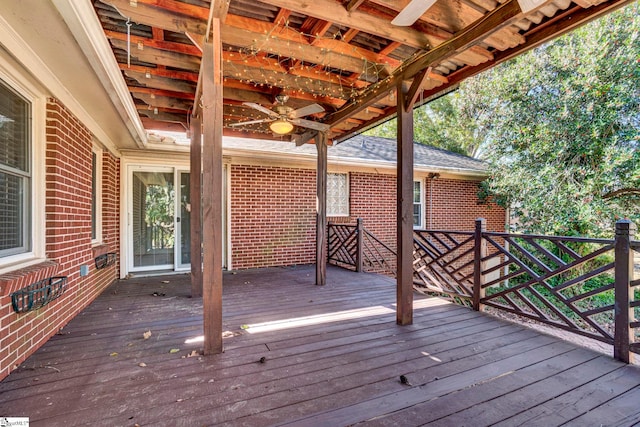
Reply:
x=442, y=123
x=560, y=127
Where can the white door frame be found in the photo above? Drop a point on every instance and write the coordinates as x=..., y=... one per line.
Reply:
x=128, y=166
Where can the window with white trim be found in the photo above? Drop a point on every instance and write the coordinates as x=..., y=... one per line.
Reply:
x=418, y=205
x=96, y=195
x=337, y=194
x=15, y=172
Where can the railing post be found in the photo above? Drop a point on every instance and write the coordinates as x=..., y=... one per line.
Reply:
x=329, y=226
x=479, y=252
x=623, y=294
x=359, y=244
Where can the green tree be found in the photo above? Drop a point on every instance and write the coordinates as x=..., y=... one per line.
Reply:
x=562, y=128
x=442, y=123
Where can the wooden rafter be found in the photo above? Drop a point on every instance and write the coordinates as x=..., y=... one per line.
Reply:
x=344, y=55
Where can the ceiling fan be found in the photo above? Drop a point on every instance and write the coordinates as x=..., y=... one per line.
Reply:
x=282, y=118
x=416, y=8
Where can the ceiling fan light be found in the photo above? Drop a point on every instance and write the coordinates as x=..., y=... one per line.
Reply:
x=281, y=127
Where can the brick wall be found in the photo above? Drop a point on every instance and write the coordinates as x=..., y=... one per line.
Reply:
x=461, y=214
x=453, y=206
x=68, y=239
x=273, y=211
x=272, y=216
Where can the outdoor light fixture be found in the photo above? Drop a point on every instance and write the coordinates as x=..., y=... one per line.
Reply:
x=281, y=126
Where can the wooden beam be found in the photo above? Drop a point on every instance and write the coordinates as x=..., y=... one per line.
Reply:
x=404, y=171
x=169, y=74
x=321, y=215
x=353, y=5
x=212, y=191
x=339, y=54
x=220, y=9
x=163, y=57
x=152, y=124
x=559, y=24
x=164, y=117
x=282, y=17
x=247, y=33
x=146, y=42
x=177, y=7
x=489, y=24
x=161, y=101
x=195, y=194
x=368, y=21
x=311, y=82
x=161, y=93
x=162, y=14
x=332, y=11
x=157, y=82
x=416, y=86
x=350, y=35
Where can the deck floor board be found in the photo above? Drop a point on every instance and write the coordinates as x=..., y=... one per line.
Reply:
x=333, y=356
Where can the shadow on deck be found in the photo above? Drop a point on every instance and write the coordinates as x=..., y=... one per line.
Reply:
x=333, y=356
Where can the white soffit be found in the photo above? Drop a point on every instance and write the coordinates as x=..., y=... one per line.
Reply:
x=22, y=51
x=85, y=27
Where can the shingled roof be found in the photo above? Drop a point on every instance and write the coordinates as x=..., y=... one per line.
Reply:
x=365, y=150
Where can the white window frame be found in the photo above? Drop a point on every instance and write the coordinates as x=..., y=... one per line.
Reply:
x=14, y=78
x=97, y=216
x=344, y=203
x=421, y=183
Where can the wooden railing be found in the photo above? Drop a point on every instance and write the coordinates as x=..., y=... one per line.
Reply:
x=354, y=247
x=585, y=286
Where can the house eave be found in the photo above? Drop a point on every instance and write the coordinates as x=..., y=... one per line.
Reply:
x=83, y=23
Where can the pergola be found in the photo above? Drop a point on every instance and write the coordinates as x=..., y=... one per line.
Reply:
x=221, y=67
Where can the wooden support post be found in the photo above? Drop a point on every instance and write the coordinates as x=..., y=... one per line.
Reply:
x=404, y=280
x=195, y=195
x=623, y=311
x=359, y=243
x=212, y=190
x=479, y=252
x=321, y=215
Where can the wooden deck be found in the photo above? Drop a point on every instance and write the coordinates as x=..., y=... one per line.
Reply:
x=333, y=356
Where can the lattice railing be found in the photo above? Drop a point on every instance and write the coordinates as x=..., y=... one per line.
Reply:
x=586, y=286
x=563, y=281
x=353, y=247
x=343, y=245
x=377, y=256
x=443, y=262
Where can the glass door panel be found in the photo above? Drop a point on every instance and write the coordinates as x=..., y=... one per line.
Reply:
x=153, y=220
x=184, y=221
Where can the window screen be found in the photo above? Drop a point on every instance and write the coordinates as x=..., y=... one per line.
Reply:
x=15, y=172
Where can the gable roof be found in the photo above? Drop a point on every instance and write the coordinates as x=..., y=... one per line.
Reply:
x=385, y=149
x=361, y=150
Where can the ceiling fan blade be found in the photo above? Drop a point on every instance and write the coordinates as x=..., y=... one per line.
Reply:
x=412, y=12
x=322, y=127
x=262, y=109
x=251, y=122
x=305, y=111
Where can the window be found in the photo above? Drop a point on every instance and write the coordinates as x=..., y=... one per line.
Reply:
x=96, y=195
x=15, y=173
x=418, y=208
x=337, y=194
